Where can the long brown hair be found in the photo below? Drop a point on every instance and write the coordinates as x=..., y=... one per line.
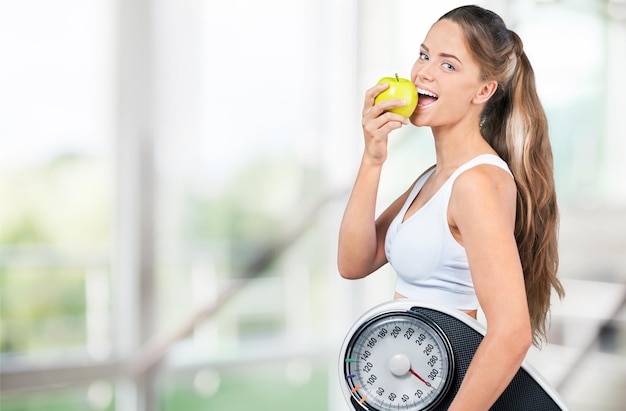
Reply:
x=515, y=125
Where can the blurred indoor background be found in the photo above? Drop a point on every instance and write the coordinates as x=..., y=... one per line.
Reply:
x=173, y=174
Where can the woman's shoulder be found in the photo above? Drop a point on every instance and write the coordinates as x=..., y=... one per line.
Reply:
x=485, y=174
x=483, y=192
x=488, y=174
x=487, y=159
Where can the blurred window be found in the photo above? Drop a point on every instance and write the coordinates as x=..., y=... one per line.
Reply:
x=56, y=177
x=148, y=170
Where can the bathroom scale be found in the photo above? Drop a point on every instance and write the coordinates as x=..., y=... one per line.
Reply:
x=409, y=355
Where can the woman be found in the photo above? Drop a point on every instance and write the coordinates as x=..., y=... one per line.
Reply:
x=480, y=227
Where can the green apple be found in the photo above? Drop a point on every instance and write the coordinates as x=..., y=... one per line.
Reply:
x=399, y=88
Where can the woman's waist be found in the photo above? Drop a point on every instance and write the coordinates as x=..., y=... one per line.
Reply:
x=471, y=312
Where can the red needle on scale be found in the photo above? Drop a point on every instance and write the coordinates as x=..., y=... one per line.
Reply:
x=419, y=378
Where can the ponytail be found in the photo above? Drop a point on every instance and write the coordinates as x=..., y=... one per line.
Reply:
x=536, y=225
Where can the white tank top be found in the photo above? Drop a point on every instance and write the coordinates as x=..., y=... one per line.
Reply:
x=431, y=265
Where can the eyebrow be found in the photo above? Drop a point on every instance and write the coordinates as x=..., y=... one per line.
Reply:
x=447, y=55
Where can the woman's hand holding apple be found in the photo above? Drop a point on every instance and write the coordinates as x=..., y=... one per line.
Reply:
x=401, y=88
x=378, y=121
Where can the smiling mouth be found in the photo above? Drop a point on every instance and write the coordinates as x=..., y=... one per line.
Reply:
x=426, y=98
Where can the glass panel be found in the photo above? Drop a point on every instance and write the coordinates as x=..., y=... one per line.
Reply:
x=248, y=166
x=55, y=177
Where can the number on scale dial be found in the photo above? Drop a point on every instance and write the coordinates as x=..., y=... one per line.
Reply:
x=398, y=360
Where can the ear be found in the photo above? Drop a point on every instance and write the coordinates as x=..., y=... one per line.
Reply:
x=485, y=92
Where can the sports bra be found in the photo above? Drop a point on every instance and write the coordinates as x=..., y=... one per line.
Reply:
x=430, y=264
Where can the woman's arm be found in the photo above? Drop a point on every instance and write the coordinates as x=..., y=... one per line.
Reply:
x=482, y=215
x=361, y=248
x=361, y=235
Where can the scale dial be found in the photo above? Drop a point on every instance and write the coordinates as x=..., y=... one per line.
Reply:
x=397, y=360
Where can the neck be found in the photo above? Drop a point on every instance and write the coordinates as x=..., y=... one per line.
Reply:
x=457, y=145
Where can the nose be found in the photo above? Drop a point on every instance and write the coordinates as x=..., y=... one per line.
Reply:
x=421, y=72
x=424, y=73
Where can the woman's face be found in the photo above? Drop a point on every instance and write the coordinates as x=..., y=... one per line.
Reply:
x=447, y=78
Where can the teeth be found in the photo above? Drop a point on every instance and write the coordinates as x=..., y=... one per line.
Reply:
x=427, y=93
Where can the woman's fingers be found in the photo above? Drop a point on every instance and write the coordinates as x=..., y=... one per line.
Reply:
x=383, y=124
x=378, y=122
x=372, y=109
x=381, y=106
x=371, y=94
x=378, y=116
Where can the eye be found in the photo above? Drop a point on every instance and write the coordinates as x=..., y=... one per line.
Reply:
x=448, y=66
x=424, y=56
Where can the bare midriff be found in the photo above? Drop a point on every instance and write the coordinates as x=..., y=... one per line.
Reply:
x=471, y=313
